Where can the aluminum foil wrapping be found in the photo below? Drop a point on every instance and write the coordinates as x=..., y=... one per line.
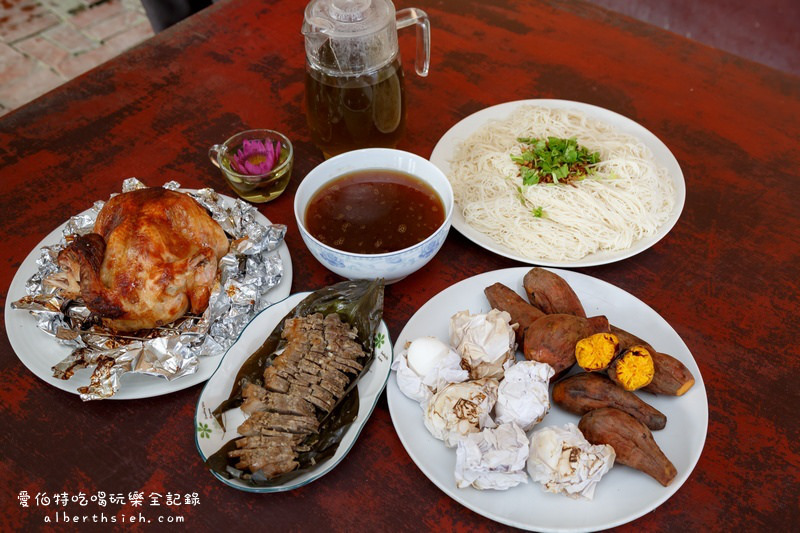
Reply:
x=246, y=274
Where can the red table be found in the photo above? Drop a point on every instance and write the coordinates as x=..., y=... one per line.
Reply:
x=726, y=276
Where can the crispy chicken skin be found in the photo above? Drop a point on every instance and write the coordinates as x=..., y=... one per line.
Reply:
x=152, y=257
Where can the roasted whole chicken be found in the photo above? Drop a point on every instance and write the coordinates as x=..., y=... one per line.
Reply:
x=152, y=257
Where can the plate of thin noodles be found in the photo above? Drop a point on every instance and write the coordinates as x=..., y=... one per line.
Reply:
x=629, y=200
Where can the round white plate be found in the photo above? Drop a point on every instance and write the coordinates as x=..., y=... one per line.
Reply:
x=623, y=494
x=39, y=351
x=445, y=150
x=210, y=437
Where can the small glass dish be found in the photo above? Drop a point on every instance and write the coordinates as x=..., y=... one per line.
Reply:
x=253, y=147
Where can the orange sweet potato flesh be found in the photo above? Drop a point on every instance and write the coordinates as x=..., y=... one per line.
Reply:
x=586, y=392
x=633, y=369
x=631, y=440
x=550, y=293
x=671, y=376
x=552, y=339
x=505, y=299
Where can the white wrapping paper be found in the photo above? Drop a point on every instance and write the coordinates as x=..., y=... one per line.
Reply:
x=523, y=396
x=563, y=461
x=485, y=342
x=461, y=408
x=443, y=369
x=492, y=459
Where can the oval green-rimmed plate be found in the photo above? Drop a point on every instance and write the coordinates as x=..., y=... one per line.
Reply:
x=210, y=437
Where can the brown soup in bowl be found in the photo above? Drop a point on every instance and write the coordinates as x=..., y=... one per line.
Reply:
x=374, y=211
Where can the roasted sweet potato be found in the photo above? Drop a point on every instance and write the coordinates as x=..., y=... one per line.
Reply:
x=631, y=440
x=505, y=299
x=585, y=392
x=671, y=377
x=550, y=293
x=552, y=339
x=633, y=368
x=596, y=352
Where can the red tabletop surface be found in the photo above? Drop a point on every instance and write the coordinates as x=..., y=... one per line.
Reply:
x=725, y=277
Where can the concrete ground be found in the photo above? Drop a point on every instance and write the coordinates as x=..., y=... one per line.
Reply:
x=44, y=43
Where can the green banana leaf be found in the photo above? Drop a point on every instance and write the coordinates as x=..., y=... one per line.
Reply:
x=358, y=303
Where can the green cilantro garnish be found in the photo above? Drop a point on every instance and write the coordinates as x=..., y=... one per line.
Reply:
x=554, y=160
x=538, y=212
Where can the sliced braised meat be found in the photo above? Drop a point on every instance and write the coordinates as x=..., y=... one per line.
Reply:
x=271, y=461
x=299, y=377
x=260, y=399
x=336, y=388
x=279, y=422
x=288, y=440
x=324, y=395
x=291, y=354
x=322, y=404
x=344, y=348
x=253, y=398
x=351, y=365
x=328, y=361
x=274, y=434
x=334, y=326
x=325, y=372
x=276, y=383
x=308, y=377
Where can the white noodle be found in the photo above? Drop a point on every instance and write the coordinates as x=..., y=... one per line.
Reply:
x=626, y=199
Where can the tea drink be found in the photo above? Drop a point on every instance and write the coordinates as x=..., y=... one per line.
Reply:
x=259, y=189
x=250, y=166
x=346, y=112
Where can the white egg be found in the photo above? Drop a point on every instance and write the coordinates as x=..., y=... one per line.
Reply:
x=426, y=353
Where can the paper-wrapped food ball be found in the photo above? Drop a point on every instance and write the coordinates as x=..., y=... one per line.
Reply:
x=492, y=459
x=425, y=366
x=461, y=408
x=523, y=396
x=563, y=461
x=485, y=342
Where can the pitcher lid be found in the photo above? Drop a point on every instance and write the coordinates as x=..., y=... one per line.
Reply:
x=347, y=18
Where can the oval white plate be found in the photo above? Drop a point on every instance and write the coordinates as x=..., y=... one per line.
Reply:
x=445, y=149
x=623, y=494
x=38, y=351
x=210, y=437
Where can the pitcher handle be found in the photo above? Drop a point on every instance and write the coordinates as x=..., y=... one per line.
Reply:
x=412, y=15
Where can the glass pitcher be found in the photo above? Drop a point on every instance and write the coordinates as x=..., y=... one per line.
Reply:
x=354, y=75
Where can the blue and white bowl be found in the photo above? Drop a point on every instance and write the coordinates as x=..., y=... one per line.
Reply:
x=392, y=266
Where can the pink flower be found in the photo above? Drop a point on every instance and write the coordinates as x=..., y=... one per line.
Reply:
x=256, y=157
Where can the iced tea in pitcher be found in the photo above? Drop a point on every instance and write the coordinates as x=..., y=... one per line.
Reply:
x=354, y=75
x=360, y=111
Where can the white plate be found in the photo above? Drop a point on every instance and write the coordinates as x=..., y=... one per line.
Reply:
x=623, y=494
x=39, y=351
x=210, y=437
x=445, y=149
